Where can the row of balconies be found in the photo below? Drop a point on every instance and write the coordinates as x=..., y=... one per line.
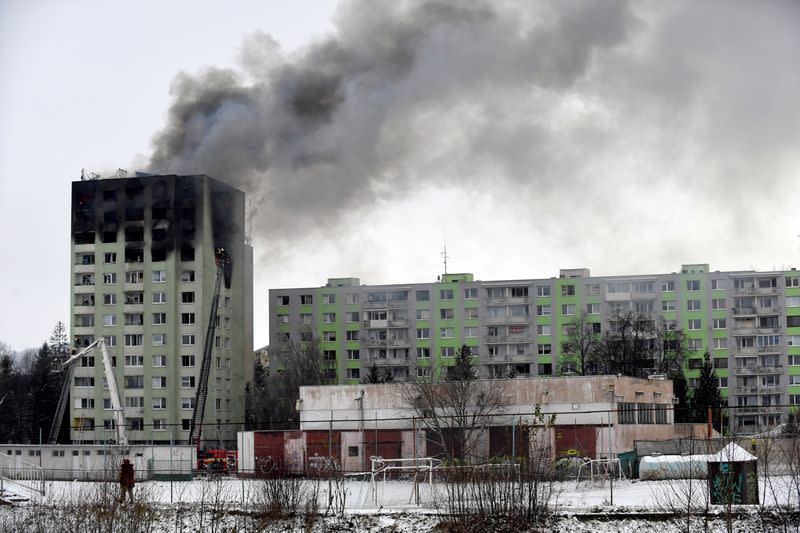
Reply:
x=752, y=370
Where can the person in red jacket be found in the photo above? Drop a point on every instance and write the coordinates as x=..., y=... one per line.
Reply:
x=126, y=480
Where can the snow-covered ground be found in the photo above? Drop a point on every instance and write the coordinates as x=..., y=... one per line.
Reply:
x=232, y=505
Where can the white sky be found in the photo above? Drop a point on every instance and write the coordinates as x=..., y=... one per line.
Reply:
x=86, y=84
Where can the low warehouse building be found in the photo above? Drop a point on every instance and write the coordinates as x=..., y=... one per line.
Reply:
x=594, y=416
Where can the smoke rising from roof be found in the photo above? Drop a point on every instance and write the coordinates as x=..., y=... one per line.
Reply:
x=563, y=104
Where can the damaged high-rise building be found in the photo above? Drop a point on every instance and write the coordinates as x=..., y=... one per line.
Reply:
x=143, y=270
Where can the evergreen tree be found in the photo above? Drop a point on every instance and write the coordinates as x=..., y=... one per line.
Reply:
x=59, y=340
x=45, y=388
x=378, y=375
x=680, y=391
x=464, y=368
x=706, y=394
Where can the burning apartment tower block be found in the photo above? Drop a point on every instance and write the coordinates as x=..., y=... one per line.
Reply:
x=142, y=276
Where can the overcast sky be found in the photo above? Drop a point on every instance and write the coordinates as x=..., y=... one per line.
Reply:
x=536, y=135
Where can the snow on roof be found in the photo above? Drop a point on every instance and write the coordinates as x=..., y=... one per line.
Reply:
x=731, y=452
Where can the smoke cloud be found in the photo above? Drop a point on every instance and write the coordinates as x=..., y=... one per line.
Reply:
x=572, y=107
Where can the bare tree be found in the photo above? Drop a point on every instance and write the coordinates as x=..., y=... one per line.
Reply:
x=455, y=406
x=639, y=344
x=582, y=347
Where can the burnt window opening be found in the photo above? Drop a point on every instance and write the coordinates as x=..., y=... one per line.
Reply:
x=110, y=195
x=159, y=191
x=84, y=238
x=134, y=191
x=134, y=234
x=159, y=234
x=159, y=213
x=86, y=198
x=158, y=255
x=110, y=217
x=185, y=191
x=135, y=214
x=109, y=236
x=187, y=234
x=134, y=255
x=187, y=253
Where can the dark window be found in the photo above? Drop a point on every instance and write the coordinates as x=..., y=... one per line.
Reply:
x=134, y=234
x=187, y=297
x=695, y=363
x=159, y=234
x=109, y=236
x=134, y=214
x=423, y=296
x=110, y=195
x=158, y=255
x=187, y=253
x=110, y=217
x=84, y=238
x=626, y=413
x=793, y=321
x=545, y=369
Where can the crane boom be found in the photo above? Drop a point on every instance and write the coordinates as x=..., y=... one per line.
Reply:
x=205, y=366
x=116, y=404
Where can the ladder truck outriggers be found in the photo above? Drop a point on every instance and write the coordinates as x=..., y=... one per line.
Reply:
x=68, y=367
x=196, y=429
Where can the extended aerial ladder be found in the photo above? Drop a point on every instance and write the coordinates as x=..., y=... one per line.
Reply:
x=196, y=429
x=116, y=405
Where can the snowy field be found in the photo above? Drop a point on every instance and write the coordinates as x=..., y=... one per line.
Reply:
x=233, y=505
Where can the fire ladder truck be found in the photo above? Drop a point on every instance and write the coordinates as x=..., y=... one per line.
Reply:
x=68, y=367
x=196, y=429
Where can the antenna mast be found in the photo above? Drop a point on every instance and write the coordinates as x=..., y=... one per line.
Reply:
x=444, y=255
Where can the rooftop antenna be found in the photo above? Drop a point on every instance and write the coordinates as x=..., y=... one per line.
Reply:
x=444, y=255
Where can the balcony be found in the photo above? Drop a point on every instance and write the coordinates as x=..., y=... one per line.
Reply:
x=768, y=291
x=740, y=330
x=81, y=268
x=398, y=343
x=753, y=370
x=745, y=350
x=376, y=324
x=398, y=323
x=743, y=311
x=767, y=310
x=84, y=288
x=744, y=292
x=774, y=348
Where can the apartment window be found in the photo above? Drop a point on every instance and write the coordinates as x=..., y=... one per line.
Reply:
x=329, y=336
x=692, y=285
x=717, y=284
x=722, y=382
x=353, y=355
x=159, y=297
x=471, y=313
x=159, y=276
x=328, y=318
x=695, y=344
x=668, y=286
x=134, y=277
x=794, y=380
x=660, y=413
x=692, y=305
x=545, y=349
x=134, y=382
x=695, y=324
x=84, y=403
x=187, y=319
x=794, y=399
x=718, y=323
x=187, y=340
x=109, y=320
x=423, y=296
x=446, y=294
x=568, y=309
x=568, y=290
x=306, y=299
x=187, y=297
x=159, y=361
x=769, y=340
x=187, y=382
x=720, y=344
x=186, y=424
x=668, y=305
x=423, y=314
x=283, y=300
x=793, y=340
x=187, y=403
x=447, y=333
x=135, y=424
x=592, y=289
x=110, y=258
x=187, y=276
x=352, y=316
x=470, y=332
x=793, y=301
x=543, y=291
x=133, y=339
x=448, y=351
x=626, y=413
x=134, y=401
x=592, y=309
x=328, y=298
x=471, y=294
x=446, y=314
x=159, y=382
x=793, y=281
x=134, y=360
x=160, y=424
x=645, y=413
x=109, y=299
x=423, y=353
x=159, y=339
x=543, y=310
x=305, y=318
x=329, y=355
x=793, y=321
x=187, y=360
x=351, y=298
x=423, y=333
x=159, y=319
x=353, y=373
x=718, y=303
